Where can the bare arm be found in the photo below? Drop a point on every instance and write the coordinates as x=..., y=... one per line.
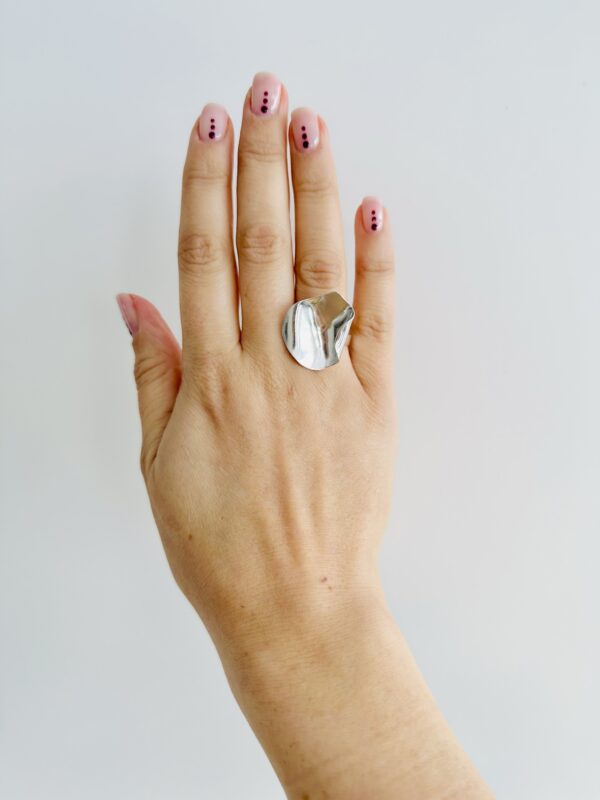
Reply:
x=270, y=482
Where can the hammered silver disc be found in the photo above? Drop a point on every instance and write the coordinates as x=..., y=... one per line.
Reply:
x=315, y=330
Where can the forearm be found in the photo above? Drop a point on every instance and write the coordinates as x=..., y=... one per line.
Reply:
x=341, y=709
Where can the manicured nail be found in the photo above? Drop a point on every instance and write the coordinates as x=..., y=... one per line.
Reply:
x=128, y=312
x=266, y=93
x=305, y=129
x=212, y=124
x=372, y=214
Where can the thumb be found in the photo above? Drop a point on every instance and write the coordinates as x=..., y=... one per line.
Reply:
x=157, y=370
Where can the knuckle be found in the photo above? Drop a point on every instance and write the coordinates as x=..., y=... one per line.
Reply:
x=202, y=372
x=261, y=243
x=321, y=270
x=258, y=150
x=375, y=325
x=145, y=461
x=315, y=185
x=204, y=172
x=199, y=253
x=376, y=265
x=148, y=369
x=147, y=457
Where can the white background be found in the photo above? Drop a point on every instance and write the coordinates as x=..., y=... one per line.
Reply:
x=478, y=124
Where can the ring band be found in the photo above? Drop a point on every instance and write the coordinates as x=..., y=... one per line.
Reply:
x=315, y=330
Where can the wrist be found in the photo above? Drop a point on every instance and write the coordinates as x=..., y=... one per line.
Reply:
x=326, y=681
x=317, y=689
x=290, y=615
x=324, y=640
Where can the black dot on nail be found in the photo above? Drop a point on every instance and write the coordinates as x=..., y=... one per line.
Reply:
x=212, y=127
x=304, y=127
x=304, y=144
x=265, y=92
x=264, y=109
x=212, y=119
x=374, y=226
x=211, y=135
x=304, y=136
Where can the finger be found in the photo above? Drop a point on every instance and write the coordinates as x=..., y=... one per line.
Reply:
x=263, y=218
x=371, y=343
x=319, y=232
x=207, y=276
x=157, y=371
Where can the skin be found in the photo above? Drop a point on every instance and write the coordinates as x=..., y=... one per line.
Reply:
x=270, y=484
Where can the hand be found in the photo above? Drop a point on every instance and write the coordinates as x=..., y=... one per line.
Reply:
x=270, y=483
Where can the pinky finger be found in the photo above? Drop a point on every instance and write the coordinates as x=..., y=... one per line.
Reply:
x=372, y=341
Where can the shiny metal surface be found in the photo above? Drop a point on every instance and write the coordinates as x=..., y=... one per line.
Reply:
x=315, y=330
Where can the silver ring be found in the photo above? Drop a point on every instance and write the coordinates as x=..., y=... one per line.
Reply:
x=315, y=330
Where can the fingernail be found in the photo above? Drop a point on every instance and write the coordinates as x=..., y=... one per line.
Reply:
x=128, y=312
x=305, y=129
x=212, y=124
x=266, y=93
x=372, y=214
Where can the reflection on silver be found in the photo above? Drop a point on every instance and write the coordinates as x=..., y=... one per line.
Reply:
x=315, y=330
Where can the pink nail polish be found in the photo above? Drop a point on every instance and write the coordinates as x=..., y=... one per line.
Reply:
x=305, y=129
x=212, y=124
x=266, y=93
x=372, y=214
x=128, y=312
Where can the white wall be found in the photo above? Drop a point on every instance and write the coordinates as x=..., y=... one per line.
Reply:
x=479, y=125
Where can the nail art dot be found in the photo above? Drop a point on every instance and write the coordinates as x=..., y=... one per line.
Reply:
x=304, y=136
x=211, y=135
x=212, y=127
x=212, y=119
x=265, y=92
x=264, y=109
x=374, y=226
x=304, y=127
x=305, y=144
